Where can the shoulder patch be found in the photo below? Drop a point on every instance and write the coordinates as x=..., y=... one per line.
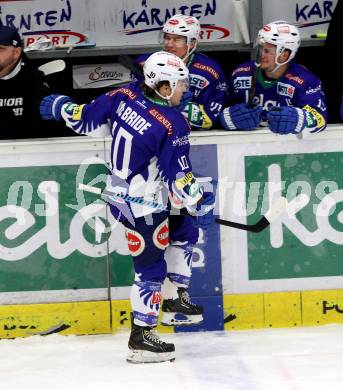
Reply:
x=243, y=69
x=294, y=78
x=207, y=69
x=162, y=119
x=126, y=91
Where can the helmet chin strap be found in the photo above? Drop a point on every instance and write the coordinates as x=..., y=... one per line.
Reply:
x=278, y=64
x=168, y=97
x=189, y=52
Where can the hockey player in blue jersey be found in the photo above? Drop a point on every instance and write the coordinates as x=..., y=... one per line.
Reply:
x=286, y=95
x=201, y=106
x=207, y=92
x=150, y=159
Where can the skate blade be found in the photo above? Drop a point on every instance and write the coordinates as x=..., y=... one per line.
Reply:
x=138, y=356
x=177, y=319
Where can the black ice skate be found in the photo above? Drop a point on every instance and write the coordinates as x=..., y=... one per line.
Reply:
x=181, y=311
x=146, y=347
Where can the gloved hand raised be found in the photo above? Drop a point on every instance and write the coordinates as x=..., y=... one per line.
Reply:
x=240, y=117
x=288, y=120
x=203, y=211
x=51, y=106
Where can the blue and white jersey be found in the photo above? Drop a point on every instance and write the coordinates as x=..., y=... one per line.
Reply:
x=149, y=151
x=298, y=87
x=207, y=83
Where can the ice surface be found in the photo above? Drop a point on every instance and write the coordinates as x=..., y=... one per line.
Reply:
x=308, y=358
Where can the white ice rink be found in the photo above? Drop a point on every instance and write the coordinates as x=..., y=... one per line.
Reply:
x=269, y=359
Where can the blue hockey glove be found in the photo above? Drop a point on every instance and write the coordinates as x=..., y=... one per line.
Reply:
x=240, y=117
x=288, y=120
x=185, y=99
x=204, y=211
x=51, y=106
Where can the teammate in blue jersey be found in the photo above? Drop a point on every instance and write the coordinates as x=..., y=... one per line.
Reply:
x=207, y=92
x=150, y=159
x=286, y=95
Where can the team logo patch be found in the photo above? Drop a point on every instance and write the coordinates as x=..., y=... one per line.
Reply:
x=174, y=63
x=198, y=81
x=283, y=30
x=189, y=20
x=297, y=79
x=173, y=22
x=242, y=82
x=77, y=112
x=161, y=235
x=135, y=242
x=156, y=298
x=285, y=89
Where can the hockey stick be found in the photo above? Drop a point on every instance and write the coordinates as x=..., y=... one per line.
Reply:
x=52, y=67
x=271, y=215
x=109, y=195
x=130, y=64
x=252, y=90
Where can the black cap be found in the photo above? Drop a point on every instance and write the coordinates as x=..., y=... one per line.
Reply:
x=9, y=36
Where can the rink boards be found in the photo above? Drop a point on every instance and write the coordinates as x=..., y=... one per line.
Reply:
x=63, y=269
x=241, y=311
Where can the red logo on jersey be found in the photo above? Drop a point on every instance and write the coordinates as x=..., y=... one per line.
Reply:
x=125, y=91
x=162, y=119
x=161, y=235
x=135, y=242
x=156, y=298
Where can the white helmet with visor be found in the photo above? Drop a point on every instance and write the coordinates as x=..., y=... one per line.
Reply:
x=281, y=34
x=163, y=66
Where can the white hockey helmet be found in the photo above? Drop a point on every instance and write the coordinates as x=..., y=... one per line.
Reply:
x=281, y=34
x=184, y=25
x=163, y=66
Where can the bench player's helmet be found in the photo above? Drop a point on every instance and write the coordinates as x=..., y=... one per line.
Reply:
x=281, y=34
x=186, y=26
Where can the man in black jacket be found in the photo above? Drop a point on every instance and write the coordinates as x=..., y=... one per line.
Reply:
x=22, y=87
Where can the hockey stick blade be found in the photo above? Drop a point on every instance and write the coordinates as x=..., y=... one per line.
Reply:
x=52, y=67
x=270, y=216
x=130, y=64
x=276, y=210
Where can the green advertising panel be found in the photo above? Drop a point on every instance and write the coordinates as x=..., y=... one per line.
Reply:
x=308, y=240
x=48, y=234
